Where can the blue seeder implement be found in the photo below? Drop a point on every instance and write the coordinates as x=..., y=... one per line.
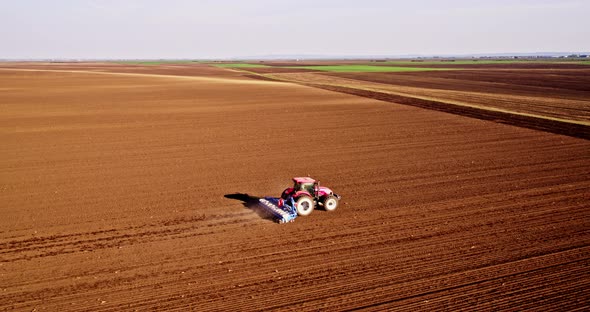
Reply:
x=282, y=213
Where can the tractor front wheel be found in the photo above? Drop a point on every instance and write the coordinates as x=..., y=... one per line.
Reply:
x=304, y=205
x=330, y=203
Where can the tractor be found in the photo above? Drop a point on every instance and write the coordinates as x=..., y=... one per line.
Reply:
x=306, y=194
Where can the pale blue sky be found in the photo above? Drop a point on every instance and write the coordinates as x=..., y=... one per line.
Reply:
x=226, y=28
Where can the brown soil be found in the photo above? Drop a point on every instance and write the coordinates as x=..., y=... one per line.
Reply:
x=546, y=105
x=508, y=66
x=442, y=64
x=125, y=192
x=567, y=83
x=196, y=69
x=271, y=70
x=554, y=126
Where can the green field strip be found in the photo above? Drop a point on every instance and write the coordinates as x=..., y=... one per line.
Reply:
x=386, y=66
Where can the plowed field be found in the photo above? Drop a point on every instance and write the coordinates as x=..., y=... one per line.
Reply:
x=137, y=192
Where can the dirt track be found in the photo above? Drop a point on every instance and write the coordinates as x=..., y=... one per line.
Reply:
x=127, y=192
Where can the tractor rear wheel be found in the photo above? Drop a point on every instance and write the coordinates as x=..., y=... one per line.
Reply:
x=330, y=203
x=304, y=205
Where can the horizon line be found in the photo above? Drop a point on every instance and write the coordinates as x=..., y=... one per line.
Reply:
x=572, y=54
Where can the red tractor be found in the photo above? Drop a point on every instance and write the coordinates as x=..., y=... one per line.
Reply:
x=306, y=194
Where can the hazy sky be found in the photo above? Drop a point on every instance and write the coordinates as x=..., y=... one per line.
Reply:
x=226, y=28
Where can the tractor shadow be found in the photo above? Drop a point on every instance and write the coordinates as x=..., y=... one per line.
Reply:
x=252, y=203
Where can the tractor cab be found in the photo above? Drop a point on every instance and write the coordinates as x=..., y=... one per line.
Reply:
x=308, y=185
